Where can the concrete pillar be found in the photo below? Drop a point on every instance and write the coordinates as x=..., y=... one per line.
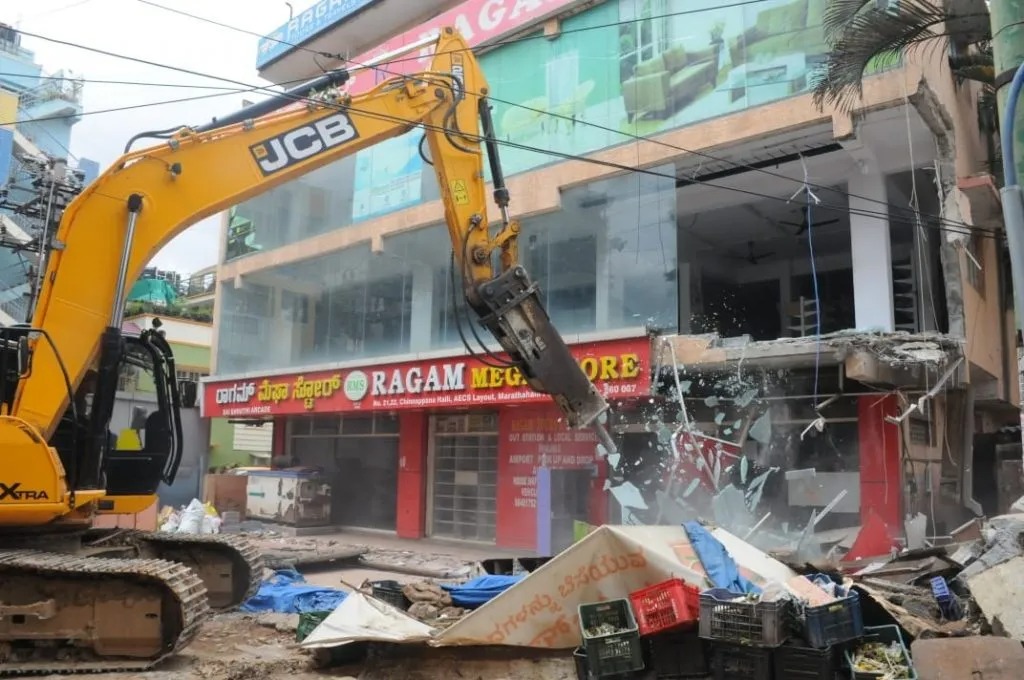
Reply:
x=421, y=314
x=688, y=274
x=870, y=247
x=685, y=295
x=602, y=300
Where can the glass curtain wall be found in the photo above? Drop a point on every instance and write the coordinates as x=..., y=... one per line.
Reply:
x=606, y=260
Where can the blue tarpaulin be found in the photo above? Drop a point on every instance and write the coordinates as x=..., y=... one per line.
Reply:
x=285, y=592
x=480, y=590
x=718, y=563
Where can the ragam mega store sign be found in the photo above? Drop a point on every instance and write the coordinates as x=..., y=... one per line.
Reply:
x=619, y=368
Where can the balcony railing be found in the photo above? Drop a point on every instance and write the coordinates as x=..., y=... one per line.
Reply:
x=60, y=88
x=200, y=284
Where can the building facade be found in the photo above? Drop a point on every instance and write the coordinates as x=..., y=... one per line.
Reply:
x=760, y=235
x=37, y=112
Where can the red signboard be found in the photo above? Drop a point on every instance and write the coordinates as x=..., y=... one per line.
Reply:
x=619, y=368
x=477, y=20
x=530, y=438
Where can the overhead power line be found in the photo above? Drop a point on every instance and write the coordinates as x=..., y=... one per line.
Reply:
x=100, y=81
x=496, y=43
x=580, y=121
x=955, y=227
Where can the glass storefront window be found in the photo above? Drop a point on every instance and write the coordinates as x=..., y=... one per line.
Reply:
x=619, y=69
x=606, y=260
x=314, y=204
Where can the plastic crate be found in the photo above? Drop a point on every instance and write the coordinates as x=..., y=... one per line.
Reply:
x=308, y=621
x=579, y=655
x=390, y=592
x=949, y=603
x=887, y=635
x=739, y=662
x=746, y=623
x=833, y=623
x=677, y=654
x=615, y=653
x=794, y=662
x=669, y=605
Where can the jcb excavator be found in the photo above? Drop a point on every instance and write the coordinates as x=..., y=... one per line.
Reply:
x=76, y=599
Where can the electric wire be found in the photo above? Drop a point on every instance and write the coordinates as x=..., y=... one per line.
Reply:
x=565, y=156
x=128, y=107
x=955, y=227
x=535, y=32
x=636, y=137
x=817, y=295
x=102, y=81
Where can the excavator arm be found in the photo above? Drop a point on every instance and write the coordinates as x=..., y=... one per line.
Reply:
x=119, y=222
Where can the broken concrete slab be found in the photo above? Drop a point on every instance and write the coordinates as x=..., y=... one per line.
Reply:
x=328, y=555
x=1003, y=543
x=968, y=658
x=999, y=593
x=898, y=358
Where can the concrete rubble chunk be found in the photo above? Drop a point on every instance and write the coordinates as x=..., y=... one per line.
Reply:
x=1002, y=543
x=968, y=658
x=999, y=593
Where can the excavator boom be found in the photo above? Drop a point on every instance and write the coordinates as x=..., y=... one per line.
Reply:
x=51, y=602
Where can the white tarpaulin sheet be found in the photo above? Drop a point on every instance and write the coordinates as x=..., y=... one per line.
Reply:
x=608, y=564
x=542, y=609
x=362, y=618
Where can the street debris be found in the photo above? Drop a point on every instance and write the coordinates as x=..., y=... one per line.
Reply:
x=888, y=660
x=195, y=518
x=287, y=593
x=621, y=595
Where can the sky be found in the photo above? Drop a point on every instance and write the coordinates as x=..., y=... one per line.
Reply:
x=142, y=31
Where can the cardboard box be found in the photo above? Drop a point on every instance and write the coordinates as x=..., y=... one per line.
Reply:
x=225, y=492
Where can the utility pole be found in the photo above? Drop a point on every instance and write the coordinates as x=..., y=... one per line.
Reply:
x=48, y=189
x=1007, y=19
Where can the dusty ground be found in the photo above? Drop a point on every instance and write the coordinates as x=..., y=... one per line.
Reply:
x=262, y=646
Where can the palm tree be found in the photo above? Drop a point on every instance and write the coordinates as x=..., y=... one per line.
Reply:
x=866, y=36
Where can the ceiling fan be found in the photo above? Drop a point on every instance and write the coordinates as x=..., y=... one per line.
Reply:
x=751, y=257
x=804, y=224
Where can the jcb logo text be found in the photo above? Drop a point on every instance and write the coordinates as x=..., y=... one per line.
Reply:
x=289, y=148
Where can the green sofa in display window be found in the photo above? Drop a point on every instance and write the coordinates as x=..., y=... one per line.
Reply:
x=664, y=84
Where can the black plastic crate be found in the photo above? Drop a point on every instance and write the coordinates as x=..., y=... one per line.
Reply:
x=390, y=592
x=677, y=654
x=794, y=662
x=741, y=662
x=509, y=566
x=613, y=653
x=834, y=623
x=764, y=624
x=579, y=655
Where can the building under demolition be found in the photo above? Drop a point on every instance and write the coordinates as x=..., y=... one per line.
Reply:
x=802, y=306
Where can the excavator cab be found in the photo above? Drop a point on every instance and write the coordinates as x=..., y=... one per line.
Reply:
x=142, y=455
x=125, y=468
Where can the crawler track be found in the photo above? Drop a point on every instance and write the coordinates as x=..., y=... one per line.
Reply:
x=230, y=566
x=99, y=614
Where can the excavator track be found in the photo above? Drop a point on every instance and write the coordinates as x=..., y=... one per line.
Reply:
x=71, y=614
x=230, y=567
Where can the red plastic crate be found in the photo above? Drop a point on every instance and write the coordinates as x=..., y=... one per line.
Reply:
x=670, y=605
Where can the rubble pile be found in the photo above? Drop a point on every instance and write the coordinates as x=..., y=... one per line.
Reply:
x=431, y=604
x=694, y=600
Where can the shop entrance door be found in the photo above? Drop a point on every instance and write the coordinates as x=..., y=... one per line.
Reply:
x=464, y=476
x=570, y=496
x=359, y=455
